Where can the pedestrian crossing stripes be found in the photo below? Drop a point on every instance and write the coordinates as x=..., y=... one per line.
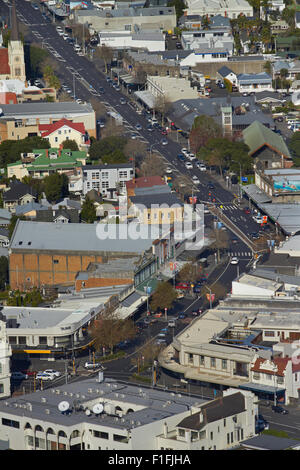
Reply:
x=241, y=254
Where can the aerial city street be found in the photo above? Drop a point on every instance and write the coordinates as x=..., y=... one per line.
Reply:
x=149, y=227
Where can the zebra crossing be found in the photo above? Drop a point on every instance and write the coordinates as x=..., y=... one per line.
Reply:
x=240, y=254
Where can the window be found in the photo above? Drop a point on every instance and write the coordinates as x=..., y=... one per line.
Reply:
x=95, y=175
x=12, y=340
x=201, y=360
x=11, y=423
x=1, y=388
x=194, y=436
x=105, y=184
x=55, y=261
x=22, y=339
x=123, y=174
x=224, y=363
x=181, y=432
x=42, y=339
x=228, y=438
x=104, y=175
x=211, y=436
x=212, y=362
x=100, y=434
x=269, y=333
x=120, y=438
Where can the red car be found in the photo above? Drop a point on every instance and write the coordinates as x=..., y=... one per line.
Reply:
x=183, y=285
x=247, y=211
x=164, y=132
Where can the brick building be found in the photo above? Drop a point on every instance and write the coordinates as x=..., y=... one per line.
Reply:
x=48, y=254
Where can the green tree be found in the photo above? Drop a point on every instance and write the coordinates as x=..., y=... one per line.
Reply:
x=70, y=145
x=10, y=150
x=56, y=187
x=179, y=7
x=88, y=212
x=3, y=272
x=37, y=56
x=163, y=297
x=108, y=148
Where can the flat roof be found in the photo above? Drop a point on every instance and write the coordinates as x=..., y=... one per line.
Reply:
x=253, y=280
x=31, y=109
x=78, y=237
x=286, y=215
x=148, y=404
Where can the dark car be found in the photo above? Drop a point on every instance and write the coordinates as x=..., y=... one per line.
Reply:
x=255, y=235
x=181, y=157
x=210, y=186
x=279, y=409
x=247, y=211
x=235, y=240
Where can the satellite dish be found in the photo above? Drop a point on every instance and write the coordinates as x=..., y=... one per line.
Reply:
x=87, y=412
x=63, y=406
x=98, y=408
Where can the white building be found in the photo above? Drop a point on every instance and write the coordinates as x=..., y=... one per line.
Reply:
x=5, y=356
x=171, y=88
x=150, y=40
x=108, y=180
x=228, y=8
x=97, y=414
x=254, y=82
x=212, y=38
x=215, y=54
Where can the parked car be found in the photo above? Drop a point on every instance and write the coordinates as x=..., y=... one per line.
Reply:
x=18, y=376
x=234, y=260
x=195, y=180
x=279, y=409
x=123, y=101
x=247, y=210
x=45, y=377
x=56, y=373
x=93, y=365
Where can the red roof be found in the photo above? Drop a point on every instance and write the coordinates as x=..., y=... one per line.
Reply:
x=145, y=182
x=48, y=129
x=280, y=362
x=4, y=65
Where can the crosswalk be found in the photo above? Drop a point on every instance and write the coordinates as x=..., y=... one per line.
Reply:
x=240, y=254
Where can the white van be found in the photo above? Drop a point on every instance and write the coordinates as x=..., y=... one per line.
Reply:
x=171, y=323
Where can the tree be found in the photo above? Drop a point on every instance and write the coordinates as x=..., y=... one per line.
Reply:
x=152, y=166
x=179, y=7
x=70, y=145
x=88, y=212
x=56, y=187
x=163, y=297
x=162, y=105
x=37, y=56
x=189, y=273
x=105, y=53
x=268, y=67
x=3, y=272
x=10, y=150
x=221, y=242
x=110, y=146
x=110, y=330
x=203, y=129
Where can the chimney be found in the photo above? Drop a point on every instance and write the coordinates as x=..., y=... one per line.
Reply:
x=47, y=153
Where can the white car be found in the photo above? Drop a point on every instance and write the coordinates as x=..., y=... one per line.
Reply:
x=184, y=151
x=189, y=166
x=93, y=365
x=169, y=170
x=195, y=179
x=202, y=167
x=56, y=373
x=234, y=260
x=191, y=156
x=45, y=377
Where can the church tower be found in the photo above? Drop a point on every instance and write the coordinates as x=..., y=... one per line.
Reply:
x=16, y=50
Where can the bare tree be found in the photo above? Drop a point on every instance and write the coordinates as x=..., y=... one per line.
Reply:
x=162, y=105
x=221, y=241
x=110, y=330
x=105, y=53
x=152, y=166
x=189, y=273
x=98, y=107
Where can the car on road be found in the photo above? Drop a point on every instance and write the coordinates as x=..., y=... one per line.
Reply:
x=18, y=376
x=196, y=179
x=171, y=323
x=45, y=377
x=234, y=260
x=35, y=6
x=210, y=185
x=255, y=235
x=56, y=373
x=279, y=409
x=202, y=167
x=247, y=210
x=261, y=424
x=158, y=314
x=102, y=91
x=189, y=165
x=160, y=342
x=123, y=101
x=164, y=132
x=93, y=365
x=184, y=151
x=164, y=142
x=169, y=170
x=138, y=127
x=162, y=334
x=180, y=156
x=134, y=136
x=181, y=316
x=150, y=128
x=234, y=240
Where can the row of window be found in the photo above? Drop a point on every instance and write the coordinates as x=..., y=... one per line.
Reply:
x=105, y=435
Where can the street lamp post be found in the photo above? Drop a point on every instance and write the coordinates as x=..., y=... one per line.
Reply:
x=210, y=301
